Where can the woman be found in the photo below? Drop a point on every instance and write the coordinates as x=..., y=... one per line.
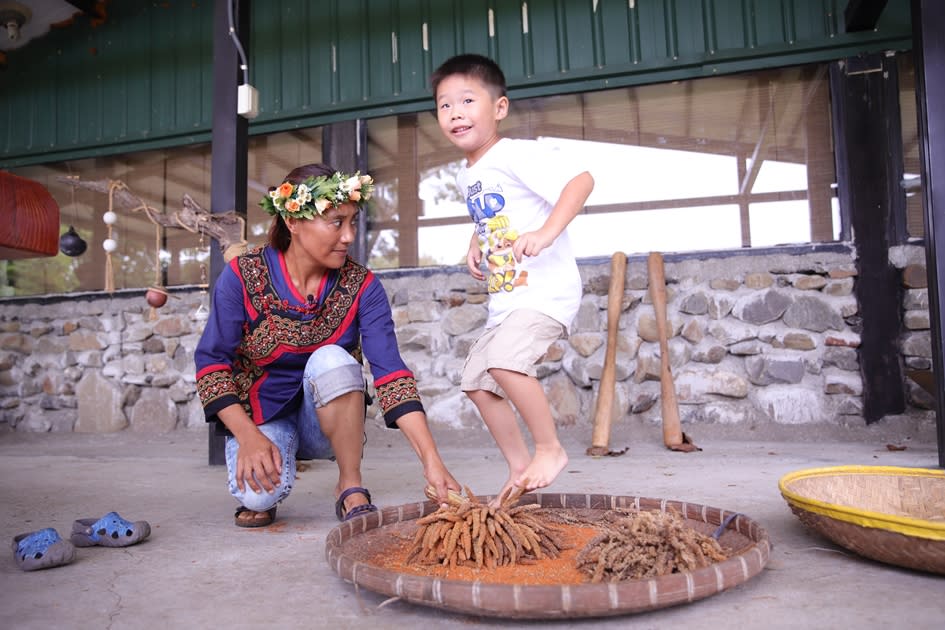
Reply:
x=279, y=362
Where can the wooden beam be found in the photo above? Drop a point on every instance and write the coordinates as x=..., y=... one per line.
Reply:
x=762, y=143
x=229, y=142
x=929, y=54
x=408, y=183
x=344, y=147
x=820, y=163
x=862, y=15
x=867, y=184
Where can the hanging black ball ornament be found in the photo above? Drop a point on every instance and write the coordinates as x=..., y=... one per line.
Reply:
x=71, y=244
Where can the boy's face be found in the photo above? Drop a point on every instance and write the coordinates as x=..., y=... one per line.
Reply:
x=469, y=115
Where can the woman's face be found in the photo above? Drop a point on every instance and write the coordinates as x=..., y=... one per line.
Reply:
x=325, y=240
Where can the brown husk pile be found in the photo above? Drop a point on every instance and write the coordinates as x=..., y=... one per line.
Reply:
x=468, y=532
x=642, y=544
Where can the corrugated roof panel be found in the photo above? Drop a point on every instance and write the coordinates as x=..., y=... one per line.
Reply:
x=144, y=77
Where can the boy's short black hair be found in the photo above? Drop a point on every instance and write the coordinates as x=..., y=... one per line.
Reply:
x=471, y=65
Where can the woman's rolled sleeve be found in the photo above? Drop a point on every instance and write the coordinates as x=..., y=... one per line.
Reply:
x=215, y=354
x=398, y=396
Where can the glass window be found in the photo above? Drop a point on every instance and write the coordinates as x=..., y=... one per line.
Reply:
x=915, y=222
x=148, y=251
x=715, y=163
x=709, y=164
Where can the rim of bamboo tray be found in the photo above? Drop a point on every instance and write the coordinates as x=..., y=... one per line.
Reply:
x=556, y=601
x=906, y=525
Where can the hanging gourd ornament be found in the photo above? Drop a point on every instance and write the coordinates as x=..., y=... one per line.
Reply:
x=156, y=297
x=71, y=244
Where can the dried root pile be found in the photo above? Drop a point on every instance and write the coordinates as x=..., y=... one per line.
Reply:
x=643, y=544
x=470, y=533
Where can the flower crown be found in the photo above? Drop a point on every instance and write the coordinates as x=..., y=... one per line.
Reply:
x=315, y=195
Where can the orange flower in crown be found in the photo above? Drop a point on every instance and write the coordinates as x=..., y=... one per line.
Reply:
x=315, y=195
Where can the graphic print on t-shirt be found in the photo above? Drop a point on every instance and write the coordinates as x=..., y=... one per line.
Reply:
x=499, y=257
x=522, y=180
x=495, y=238
x=483, y=206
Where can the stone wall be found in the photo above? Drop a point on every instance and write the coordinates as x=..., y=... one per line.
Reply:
x=756, y=338
x=916, y=336
x=99, y=363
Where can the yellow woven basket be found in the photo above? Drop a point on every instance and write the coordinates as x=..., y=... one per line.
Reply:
x=887, y=513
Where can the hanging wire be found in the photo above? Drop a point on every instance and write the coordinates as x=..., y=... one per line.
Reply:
x=236, y=41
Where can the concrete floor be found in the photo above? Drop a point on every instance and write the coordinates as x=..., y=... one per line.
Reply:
x=199, y=571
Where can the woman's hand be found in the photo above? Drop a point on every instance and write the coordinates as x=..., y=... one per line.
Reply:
x=414, y=427
x=258, y=463
x=440, y=478
x=258, y=460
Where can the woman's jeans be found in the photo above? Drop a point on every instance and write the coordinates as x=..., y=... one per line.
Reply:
x=330, y=372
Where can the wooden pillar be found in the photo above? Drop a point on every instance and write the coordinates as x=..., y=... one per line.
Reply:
x=229, y=144
x=408, y=182
x=928, y=17
x=819, y=158
x=744, y=208
x=866, y=124
x=344, y=147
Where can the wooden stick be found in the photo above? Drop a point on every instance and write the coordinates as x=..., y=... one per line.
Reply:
x=604, y=410
x=673, y=437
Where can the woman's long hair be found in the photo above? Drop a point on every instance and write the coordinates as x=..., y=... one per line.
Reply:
x=279, y=234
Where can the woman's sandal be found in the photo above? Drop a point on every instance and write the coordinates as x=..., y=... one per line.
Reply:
x=259, y=519
x=109, y=531
x=357, y=510
x=41, y=550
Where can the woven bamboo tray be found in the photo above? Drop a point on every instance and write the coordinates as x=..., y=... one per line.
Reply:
x=747, y=540
x=886, y=513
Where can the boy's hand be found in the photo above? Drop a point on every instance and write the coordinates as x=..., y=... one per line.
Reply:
x=473, y=260
x=530, y=244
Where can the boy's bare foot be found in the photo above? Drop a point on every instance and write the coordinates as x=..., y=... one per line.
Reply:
x=497, y=501
x=543, y=469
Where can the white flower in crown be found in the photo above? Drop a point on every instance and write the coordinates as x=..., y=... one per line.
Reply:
x=352, y=186
x=367, y=187
x=317, y=194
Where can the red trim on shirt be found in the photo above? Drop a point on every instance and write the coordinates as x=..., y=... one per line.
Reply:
x=393, y=376
x=247, y=303
x=254, y=402
x=215, y=367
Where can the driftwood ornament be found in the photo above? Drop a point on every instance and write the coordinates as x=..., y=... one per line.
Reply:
x=227, y=228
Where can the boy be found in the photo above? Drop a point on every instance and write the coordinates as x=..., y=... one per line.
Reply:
x=521, y=196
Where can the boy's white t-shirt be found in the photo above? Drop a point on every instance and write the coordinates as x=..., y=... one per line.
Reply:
x=509, y=191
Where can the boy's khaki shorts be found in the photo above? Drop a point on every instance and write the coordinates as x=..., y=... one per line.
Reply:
x=515, y=344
